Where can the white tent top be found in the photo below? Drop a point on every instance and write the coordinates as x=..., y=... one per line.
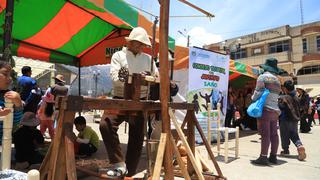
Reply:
x=39, y=68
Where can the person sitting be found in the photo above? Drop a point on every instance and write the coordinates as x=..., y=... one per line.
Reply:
x=27, y=139
x=87, y=141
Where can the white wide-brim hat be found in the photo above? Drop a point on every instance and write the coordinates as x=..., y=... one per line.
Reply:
x=139, y=34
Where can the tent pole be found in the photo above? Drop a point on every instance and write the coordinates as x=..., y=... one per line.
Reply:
x=7, y=40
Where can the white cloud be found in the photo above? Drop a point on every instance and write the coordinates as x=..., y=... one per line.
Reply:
x=198, y=37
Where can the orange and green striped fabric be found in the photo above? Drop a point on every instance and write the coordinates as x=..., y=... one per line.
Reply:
x=58, y=31
x=124, y=11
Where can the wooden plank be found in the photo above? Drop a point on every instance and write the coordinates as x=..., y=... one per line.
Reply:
x=159, y=159
x=60, y=168
x=69, y=148
x=55, y=147
x=185, y=143
x=191, y=138
x=179, y=159
x=216, y=165
x=45, y=164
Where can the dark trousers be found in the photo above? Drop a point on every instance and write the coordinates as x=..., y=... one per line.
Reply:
x=86, y=149
x=311, y=118
x=267, y=126
x=289, y=131
x=304, y=126
x=229, y=117
x=108, y=130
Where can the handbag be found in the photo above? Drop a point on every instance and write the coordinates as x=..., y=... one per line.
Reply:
x=255, y=109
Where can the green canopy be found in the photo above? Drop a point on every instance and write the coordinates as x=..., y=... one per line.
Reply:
x=59, y=31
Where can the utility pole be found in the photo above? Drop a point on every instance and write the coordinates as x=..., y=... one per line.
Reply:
x=301, y=12
x=186, y=35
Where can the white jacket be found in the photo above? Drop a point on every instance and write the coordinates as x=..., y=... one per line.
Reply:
x=135, y=63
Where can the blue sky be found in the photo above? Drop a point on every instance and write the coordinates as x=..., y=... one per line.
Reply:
x=232, y=17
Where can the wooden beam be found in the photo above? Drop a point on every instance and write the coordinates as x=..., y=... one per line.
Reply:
x=79, y=103
x=197, y=8
x=186, y=145
x=208, y=147
x=164, y=83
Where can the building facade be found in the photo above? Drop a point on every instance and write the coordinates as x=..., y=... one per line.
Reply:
x=296, y=48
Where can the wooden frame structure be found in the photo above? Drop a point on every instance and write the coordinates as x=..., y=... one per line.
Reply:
x=59, y=162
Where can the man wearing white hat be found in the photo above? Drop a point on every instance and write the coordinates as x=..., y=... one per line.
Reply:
x=130, y=60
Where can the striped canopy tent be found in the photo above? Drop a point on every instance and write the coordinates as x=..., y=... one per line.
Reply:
x=132, y=16
x=239, y=74
x=62, y=31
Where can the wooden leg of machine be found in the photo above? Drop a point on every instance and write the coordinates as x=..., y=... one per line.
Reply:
x=59, y=161
x=208, y=147
x=185, y=143
x=191, y=139
x=160, y=156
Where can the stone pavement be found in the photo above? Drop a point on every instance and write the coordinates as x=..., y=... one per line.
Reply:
x=241, y=169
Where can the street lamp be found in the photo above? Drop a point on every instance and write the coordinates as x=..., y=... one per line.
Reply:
x=95, y=77
x=186, y=36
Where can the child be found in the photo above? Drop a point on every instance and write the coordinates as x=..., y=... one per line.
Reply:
x=87, y=141
x=5, y=81
x=27, y=140
x=45, y=114
x=289, y=118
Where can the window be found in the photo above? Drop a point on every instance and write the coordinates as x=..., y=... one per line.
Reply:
x=279, y=46
x=309, y=70
x=256, y=51
x=242, y=53
x=304, y=45
x=318, y=43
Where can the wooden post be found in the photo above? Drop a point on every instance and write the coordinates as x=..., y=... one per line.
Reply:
x=164, y=84
x=191, y=138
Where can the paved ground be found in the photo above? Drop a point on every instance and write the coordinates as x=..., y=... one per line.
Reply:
x=241, y=169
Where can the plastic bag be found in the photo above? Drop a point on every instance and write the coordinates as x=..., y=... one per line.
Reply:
x=255, y=109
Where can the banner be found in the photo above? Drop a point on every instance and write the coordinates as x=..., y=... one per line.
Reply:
x=208, y=82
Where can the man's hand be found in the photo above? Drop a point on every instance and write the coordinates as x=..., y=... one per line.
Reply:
x=14, y=97
x=4, y=111
x=123, y=74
